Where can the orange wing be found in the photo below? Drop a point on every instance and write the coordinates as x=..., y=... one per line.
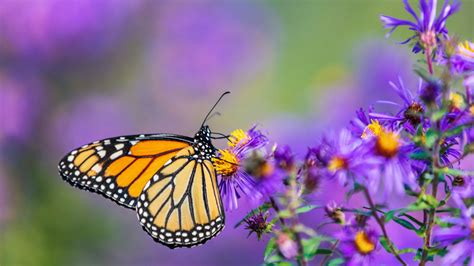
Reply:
x=119, y=168
x=181, y=206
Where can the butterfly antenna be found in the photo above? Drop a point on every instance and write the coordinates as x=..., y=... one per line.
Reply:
x=214, y=106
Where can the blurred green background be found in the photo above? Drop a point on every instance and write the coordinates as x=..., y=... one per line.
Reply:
x=74, y=71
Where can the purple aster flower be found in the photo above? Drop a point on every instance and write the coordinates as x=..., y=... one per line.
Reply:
x=358, y=245
x=463, y=59
x=253, y=139
x=343, y=155
x=358, y=125
x=411, y=110
x=245, y=169
x=284, y=157
x=427, y=25
x=459, y=237
x=258, y=223
x=394, y=165
x=55, y=30
x=463, y=186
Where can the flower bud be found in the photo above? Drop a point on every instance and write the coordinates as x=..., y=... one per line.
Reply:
x=258, y=224
x=335, y=212
x=287, y=246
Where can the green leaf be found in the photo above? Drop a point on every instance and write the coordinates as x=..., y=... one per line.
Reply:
x=455, y=131
x=407, y=250
x=420, y=155
x=430, y=138
x=335, y=262
x=436, y=116
x=405, y=224
x=432, y=201
x=271, y=246
x=385, y=245
x=411, y=218
x=306, y=208
x=389, y=216
x=310, y=247
x=323, y=251
x=284, y=214
x=262, y=208
x=453, y=172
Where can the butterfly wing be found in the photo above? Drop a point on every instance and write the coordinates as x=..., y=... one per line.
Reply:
x=119, y=168
x=181, y=205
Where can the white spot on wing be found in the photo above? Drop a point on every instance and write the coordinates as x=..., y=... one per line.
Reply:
x=116, y=154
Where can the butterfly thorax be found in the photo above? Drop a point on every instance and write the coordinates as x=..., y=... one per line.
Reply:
x=204, y=150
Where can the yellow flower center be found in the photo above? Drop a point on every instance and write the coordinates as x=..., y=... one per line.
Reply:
x=372, y=129
x=456, y=99
x=387, y=144
x=226, y=164
x=337, y=163
x=471, y=110
x=238, y=136
x=363, y=243
x=466, y=49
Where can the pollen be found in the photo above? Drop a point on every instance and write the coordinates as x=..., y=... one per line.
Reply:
x=471, y=110
x=387, y=144
x=456, y=99
x=372, y=129
x=226, y=164
x=337, y=163
x=238, y=136
x=363, y=244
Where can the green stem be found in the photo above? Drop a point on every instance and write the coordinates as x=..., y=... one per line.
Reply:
x=382, y=226
x=429, y=61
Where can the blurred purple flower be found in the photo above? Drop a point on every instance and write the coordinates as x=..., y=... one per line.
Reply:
x=56, y=30
x=378, y=63
x=358, y=245
x=464, y=186
x=203, y=46
x=427, y=25
x=21, y=101
x=359, y=125
x=91, y=118
x=287, y=246
x=463, y=59
x=459, y=237
x=284, y=157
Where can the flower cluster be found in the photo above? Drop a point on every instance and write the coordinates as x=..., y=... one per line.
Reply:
x=413, y=149
x=245, y=167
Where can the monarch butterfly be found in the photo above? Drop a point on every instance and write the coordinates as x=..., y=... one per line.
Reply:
x=168, y=179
